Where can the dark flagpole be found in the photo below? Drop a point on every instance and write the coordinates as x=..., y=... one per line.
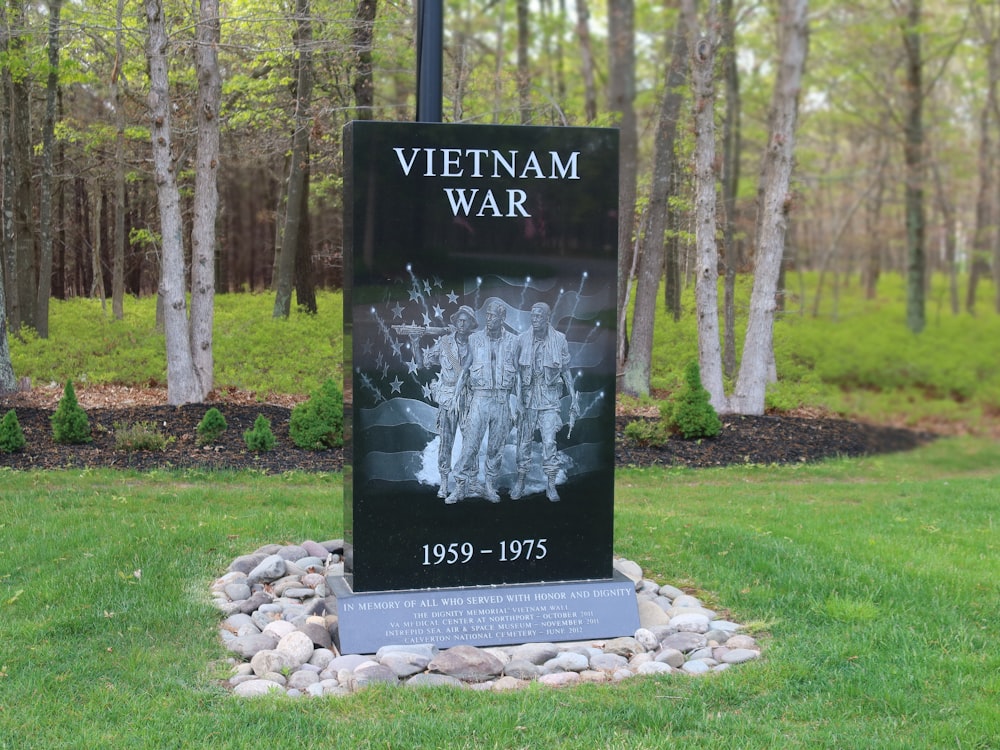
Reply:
x=429, y=45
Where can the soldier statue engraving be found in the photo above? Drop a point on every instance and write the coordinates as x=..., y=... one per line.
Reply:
x=543, y=362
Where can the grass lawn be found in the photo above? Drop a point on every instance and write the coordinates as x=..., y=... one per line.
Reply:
x=874, y=585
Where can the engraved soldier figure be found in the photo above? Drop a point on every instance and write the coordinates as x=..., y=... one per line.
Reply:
x=543, y=359
x=491, y=377
x=451, y=353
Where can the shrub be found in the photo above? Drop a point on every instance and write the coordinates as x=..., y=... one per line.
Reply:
x=70, y=424
x=141, y=436
x=211, y=427
x=691, y=414
x=648, y=432
x=11, y=436
x=260, y=438
x=319, y=422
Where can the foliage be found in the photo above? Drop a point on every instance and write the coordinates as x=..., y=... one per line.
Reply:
x=11, y=435
x=141, y=436
x=70, y=424
x=654, y=432
x=319, y=422
x=260, y=438
x=691, y=414
x=252, y=351
x=211, y=427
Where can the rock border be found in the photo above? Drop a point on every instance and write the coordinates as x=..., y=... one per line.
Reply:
x=280, y=625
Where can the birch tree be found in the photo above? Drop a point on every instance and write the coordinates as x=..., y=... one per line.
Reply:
x=188, y=343
x=774, y=205
x=773, y=208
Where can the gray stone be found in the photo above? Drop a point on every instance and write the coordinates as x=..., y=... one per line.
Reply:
x=686, y=600
x=255, y=688
x=467, y=663
x=608, y=662
x=311, y=563
x=740, y=655
x=741, y=641
x=302, y=679
x=627, y=647
x=684, y=642
x=297, y=645
x=255, y=602
x=628, y=568
x=560, y=679
x=318, y=634
x=433, y=680
x=568, y=662
x=655, y=667
x=521, y=669
x=719, y=636
x=234, y=622
x=264, y=662
x=536, y=653
x=374, y=673
x=249, y=645
x=271, y=568
x=671, y=656
x=690, y=623
x=698, y=666
x=669, y=591
x=424, y=649
x=731, y=627
x=315, y=549
x=350, y=662
x=245, y=563
x=404, y=664
x=651, y=615
x=646, y=639
x=238, y=591
x=291, y=552
x=507, y=683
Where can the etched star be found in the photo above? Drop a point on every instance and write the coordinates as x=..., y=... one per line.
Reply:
x=427, y=320
x=438, y=282
x=397, y=311
x=366, y=348
x=452, y=297
x=411, y=366
x=397, y=347
x=396, y=384
x=438, y=311
x=427, y=286
x=426, y=390
x=414, y=295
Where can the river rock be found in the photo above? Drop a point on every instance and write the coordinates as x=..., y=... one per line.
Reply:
x=467, y=663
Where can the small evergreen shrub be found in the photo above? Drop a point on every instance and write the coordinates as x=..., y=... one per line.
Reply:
x=260, y=438
x=11, y=435
x=141, y=436
x=319, y=422
x=211, y=427
x=70, y=424
x=648, y=432
x=691, y=414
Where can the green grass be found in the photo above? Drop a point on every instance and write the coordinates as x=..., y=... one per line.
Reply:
x=252, y=350
x=859, y=359
x=874, y=585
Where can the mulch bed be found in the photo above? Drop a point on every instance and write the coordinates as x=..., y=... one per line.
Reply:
x=769, y=439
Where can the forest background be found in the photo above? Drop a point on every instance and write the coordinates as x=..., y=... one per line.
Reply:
x=895, y=147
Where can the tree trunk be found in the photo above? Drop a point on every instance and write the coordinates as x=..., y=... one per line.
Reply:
x=25, y=279
x=206, y=195
x=756, y=364
x=118, y=251
x=651, y=260
x=182, y=377
x=586, y=60
x=8, y=257
x=48, y=174
x=707, y=263
x=296, y=204
x=523, y=71
x=8, y=382
x=913, y=154
x=621, y=44
x=362, y=34
x=730, y=184
x=949, y=223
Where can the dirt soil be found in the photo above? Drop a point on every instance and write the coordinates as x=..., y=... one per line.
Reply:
x=769, y=439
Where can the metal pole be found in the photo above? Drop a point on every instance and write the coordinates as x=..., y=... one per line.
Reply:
x=429, y=45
